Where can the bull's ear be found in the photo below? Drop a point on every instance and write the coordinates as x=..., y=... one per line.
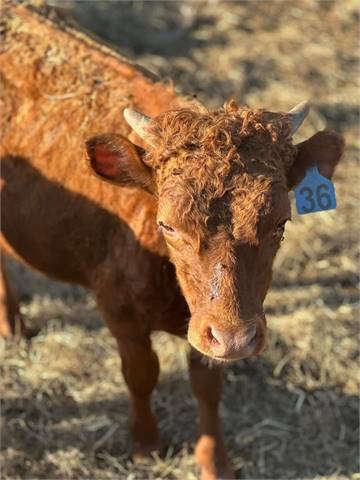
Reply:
x=115, y=159
x=323, y=150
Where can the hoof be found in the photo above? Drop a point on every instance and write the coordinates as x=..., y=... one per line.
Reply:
x=29, y=333
x=212, y=459
x=221, y=473
x=141, y=453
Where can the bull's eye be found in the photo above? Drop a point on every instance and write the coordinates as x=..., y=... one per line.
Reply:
x=166, y=228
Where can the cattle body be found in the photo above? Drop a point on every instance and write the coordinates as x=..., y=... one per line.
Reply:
x=172, y=216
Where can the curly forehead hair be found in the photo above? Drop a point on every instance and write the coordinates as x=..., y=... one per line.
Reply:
x=234, y=154
x=230, y=135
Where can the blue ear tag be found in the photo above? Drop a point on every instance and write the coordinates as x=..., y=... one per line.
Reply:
x=315, y=193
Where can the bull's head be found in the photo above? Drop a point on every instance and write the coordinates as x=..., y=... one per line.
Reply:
x=221, y=181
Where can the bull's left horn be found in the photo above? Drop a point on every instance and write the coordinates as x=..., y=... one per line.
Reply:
x=298, y=114
x=138, y=122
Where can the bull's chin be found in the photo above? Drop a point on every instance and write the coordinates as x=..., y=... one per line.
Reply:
x=218, y=358
x=227, y=358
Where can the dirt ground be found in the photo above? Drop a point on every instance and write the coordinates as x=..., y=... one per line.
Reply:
x=292, y=412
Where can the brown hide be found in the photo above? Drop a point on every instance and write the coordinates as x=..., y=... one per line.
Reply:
x=57, y=88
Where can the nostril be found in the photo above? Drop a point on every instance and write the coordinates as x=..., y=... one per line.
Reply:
x=211, y=337
x=216, y=341
x=250, y=338
x=252, y=335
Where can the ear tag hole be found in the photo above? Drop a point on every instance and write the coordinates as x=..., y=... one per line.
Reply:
x=315, y=193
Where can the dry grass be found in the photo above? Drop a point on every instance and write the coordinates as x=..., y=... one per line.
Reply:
x=292, y=413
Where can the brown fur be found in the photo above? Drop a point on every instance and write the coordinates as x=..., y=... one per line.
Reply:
x=219, y=179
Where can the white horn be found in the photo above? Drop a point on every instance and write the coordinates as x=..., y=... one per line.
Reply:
x=298, y=114
x=138, y=122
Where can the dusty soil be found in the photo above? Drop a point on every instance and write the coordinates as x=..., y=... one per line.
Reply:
x=292, y=412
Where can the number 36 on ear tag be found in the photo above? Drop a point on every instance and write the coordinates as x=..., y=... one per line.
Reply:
x=315, y=193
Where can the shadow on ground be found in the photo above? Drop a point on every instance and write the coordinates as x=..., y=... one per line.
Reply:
x=272, y=431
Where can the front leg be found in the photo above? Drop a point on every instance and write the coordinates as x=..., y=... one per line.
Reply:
x=140, y=367
x=210, y=453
